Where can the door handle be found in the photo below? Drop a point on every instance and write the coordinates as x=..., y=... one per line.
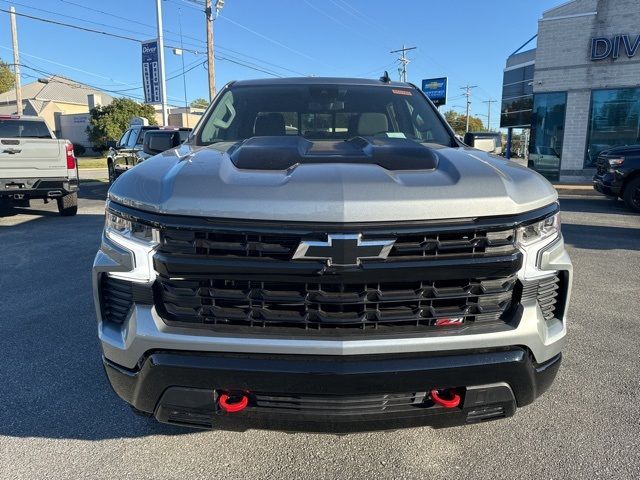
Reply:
x=11, y=151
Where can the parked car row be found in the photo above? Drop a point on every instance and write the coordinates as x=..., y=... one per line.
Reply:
x=618, y=175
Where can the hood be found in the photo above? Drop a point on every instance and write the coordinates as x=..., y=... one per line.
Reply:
x=205, y=182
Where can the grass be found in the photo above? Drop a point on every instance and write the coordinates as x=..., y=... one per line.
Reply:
x=92, y=162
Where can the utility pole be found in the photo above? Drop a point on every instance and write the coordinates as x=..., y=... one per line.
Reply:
x=163, y=78
x=184, y=78
x=16, y=60
x=489, y=102
x=208, y=11
x=467, y=93
x=210, y=59
x=404, y=61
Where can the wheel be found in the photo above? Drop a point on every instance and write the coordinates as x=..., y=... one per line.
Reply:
x=112, y=172
x=631, y=194
x=68, y=205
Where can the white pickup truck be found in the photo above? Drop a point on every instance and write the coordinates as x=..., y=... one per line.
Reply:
x=34, y=164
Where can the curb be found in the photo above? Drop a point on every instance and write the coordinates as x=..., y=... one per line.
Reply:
x=581, y=191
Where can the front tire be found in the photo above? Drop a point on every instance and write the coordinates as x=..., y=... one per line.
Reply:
x=68, y=205
x=631, y=194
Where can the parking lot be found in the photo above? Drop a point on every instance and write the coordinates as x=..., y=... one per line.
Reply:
x=60, y=419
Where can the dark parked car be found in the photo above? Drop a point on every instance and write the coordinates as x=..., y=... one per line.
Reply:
x=618, y=174
x=129, y=152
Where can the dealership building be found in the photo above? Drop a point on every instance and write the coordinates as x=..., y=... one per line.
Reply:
x=578, y=91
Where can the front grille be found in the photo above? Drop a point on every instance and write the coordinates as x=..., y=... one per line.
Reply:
x=242, y=278
x=313, y=305
x=546, y=292
x=221, y=244
x=601, y=165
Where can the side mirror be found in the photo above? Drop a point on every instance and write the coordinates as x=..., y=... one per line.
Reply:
x=112, y=144
x=158, y=141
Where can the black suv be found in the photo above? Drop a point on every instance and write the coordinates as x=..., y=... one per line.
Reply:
x=618, y=174
x=128, y=151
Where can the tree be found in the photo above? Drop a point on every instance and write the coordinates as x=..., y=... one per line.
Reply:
x=6, y=78
x=109, y=122
x=199, y=103
x=458, y=122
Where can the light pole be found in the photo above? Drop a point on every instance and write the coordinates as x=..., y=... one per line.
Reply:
x=163, y=78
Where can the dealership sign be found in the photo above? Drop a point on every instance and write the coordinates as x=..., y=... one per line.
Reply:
x=436, y=90
x=603, y=47
x=151, y=72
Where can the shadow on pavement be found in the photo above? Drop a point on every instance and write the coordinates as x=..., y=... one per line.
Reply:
x=601, y=238
x=594, y=205
x=53, y=384
x=93, y=190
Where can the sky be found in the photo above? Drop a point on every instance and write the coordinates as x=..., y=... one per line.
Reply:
x=467, y=41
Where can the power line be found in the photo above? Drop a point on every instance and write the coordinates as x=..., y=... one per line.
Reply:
x=200, y=44
x=77, y=27
x=132, y=39
x=358, y=14
x=269, y=39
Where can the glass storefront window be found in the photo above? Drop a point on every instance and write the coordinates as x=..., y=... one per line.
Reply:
x=614, y=120
x=547, y=133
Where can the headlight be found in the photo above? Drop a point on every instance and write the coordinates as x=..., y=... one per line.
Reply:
x=536, y=232
x=139, y=239
x=129, y=229
x=614, y=163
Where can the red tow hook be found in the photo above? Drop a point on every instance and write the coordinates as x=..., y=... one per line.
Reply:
x=452, y=402
x=238, y=404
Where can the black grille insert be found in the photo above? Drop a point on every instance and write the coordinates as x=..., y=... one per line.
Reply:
x=282, y=246
x=345, y=306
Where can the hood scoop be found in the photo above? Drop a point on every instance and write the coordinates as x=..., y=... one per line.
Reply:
x=286, y=152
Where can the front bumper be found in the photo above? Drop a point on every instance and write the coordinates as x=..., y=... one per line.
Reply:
x=357, y=393
x=607, y=184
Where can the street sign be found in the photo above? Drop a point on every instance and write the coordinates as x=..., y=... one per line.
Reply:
x=436, y=90
x=151, y=72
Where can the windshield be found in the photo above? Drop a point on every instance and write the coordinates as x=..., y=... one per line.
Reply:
x=23, y=129
x=323, y=112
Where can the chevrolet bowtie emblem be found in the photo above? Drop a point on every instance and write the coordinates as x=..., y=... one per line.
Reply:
x=343, y=250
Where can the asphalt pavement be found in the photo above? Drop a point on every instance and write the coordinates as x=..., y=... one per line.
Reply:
x=60, y=419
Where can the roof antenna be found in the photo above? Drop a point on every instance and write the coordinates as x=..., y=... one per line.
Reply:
x=385, y=77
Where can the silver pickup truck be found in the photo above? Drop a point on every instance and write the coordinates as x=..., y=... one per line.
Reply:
x=34, y=164
x=323, y=254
